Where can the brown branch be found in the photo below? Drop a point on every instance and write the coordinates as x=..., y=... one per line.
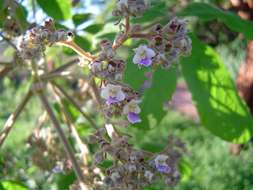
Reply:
x=93, y=124
x=8, y=41
x=65, y=66
x=66, y=116
x=13, y=117
x=5, y=71
x=67, y=147
x=77, y=49
x=139, y=35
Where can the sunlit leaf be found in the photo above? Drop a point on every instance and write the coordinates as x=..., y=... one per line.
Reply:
x=185, y=170
x=57, y=9
x=220, y=108
x=11, y=185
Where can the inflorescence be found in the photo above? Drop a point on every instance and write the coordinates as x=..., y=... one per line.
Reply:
x=131, y=169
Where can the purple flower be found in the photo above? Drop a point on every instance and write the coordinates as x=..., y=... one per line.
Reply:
x=143, y=56
x=112, y=94
x=163, y=168
x=146, y=62
x=161, y=165
x=132, y=110
x=133, y=118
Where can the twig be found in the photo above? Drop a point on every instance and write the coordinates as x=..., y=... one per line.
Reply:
x=96, y=93
x=5, y=71
x=125, y=35
x=77, y=49
x=139, y=35
x=7, y=64
x=66, y=116
x=65, y=66
x=93, y=124
x=63, y=138
x=8, y=41
x=12, y=118
x=54, y=75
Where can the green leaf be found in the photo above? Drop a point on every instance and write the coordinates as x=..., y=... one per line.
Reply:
x=80, y=18
x=94, y=28
x=1, y=4
x=65, y=180
x=83, y=42
x=133, y=75
x=161, y=90
x=57, y=9
x=73, y=113
x=20, y=15
x=157, y=10
x=185, y=170
x=11, y=185
x=220, y=108
x=208, y=12
x=110, y=36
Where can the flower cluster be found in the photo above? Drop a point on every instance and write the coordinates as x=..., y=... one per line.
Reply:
x=133, y=168
x=107, y=65
x=121, y=100
x=130, y=7
x=44, y=144
x=32, y=45
x=166, y=45
x=143, y=56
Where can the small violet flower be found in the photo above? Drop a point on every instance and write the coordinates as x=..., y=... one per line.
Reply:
x=161, y=165
x=132, y=110
x=112, y=94
x=143, y=55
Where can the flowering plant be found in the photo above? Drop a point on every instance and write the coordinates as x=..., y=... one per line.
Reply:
x=106, y=78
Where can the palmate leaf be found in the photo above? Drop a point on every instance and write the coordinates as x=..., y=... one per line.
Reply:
x=208, y=12
x=220, y=108
x=57, y=9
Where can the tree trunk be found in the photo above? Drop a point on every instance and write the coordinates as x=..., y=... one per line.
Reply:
x=244, y=9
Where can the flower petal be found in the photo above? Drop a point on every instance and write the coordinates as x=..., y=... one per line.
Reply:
x=136, y=59
x=112, y=100
x=146, y=62
x=105, y=93
x=133, y=118
x=150, y=53
x=163, y=168
x=120, y=96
